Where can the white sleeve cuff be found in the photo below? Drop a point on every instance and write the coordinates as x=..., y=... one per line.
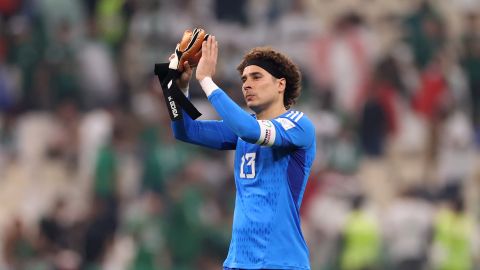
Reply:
x=208, y=85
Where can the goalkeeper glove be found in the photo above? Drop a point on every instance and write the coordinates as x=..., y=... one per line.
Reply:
x=189, y=49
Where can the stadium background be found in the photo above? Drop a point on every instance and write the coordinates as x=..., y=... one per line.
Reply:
x=91, y=178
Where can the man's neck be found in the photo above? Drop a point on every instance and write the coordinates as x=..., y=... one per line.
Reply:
x=270, y=113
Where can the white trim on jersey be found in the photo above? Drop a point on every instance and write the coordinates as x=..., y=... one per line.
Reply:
x=298, y=117
x=289, y=114
x=294, y=115
x=267, y=133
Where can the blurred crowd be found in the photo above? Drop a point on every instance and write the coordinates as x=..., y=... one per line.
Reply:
x=91, y=178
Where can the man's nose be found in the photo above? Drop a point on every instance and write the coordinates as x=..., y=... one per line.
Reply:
x=247, y=85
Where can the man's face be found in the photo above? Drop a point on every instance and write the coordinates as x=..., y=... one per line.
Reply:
x=260, y=89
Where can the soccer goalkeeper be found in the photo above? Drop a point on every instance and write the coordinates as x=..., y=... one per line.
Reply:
x=274, y=151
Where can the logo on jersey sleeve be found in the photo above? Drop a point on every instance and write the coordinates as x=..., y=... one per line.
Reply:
x=267, y=133
x=286, y=124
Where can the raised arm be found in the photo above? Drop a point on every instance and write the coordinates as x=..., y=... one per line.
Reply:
x=240, y=122
x=208, y=133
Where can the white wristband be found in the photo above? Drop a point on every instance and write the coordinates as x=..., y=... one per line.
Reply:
x=208, y=85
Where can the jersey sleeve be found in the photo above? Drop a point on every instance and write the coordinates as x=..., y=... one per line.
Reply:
x=239, y=121
x=209, y=133
x=291, y=130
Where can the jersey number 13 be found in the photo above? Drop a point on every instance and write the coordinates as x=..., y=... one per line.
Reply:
x=247, y=168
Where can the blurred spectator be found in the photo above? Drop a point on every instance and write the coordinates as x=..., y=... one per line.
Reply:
x=111, y=21
x=454, y=238
x=471, y=62
x=361, y=239
x=26, y=48
x=430, y=98
x=146, y=222
x=346, y=154
x=455, y=161
x=349, y=48
x=95, y=130
x=184, y=226
x=153, y=178
x=97, y=70
x=51, y=14
x=60, y=57
x=101, y=225
x=425, y=33
x=373, y=124
x=408, y=229
x=294, y=31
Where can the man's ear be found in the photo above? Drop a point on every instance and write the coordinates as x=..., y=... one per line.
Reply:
x=281, y=83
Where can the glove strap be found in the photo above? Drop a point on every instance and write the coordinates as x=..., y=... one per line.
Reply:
x=174, y=98
x=176, y=59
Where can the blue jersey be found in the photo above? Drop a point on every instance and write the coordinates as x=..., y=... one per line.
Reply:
x=270, y=180
x=272, y=164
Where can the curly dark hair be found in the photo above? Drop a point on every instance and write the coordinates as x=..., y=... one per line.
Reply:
x=285, y=65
